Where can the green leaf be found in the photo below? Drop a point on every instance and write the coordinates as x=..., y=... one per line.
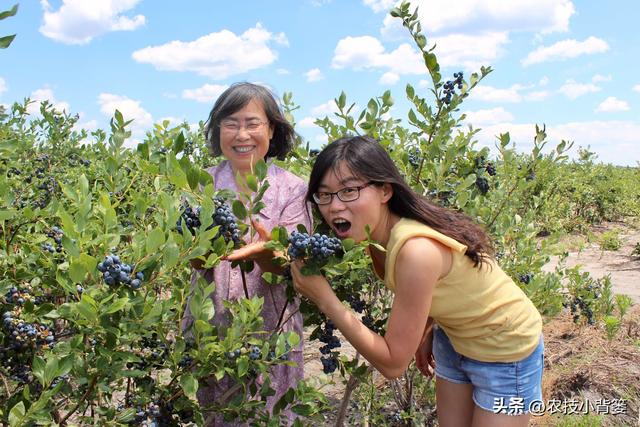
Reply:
x=252, y=183
x=261, y=170
x=10, y=12
x=51, y=370
x=189, y=384
x=4, y=43
x=117, y=305
x=155, y=239
x=243, y=366
x=178, y=143
x=239, y=210
x=7, y=214
x=77, y=270
x=38, y=369
x=16, y=414
x=87, y=308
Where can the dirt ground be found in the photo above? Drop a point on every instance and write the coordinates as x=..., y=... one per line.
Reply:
x=621, y=265
x=582, y=364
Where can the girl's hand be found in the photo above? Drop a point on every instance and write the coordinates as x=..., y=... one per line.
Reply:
x=314, y=287
x=424, y=355
x=256, y=251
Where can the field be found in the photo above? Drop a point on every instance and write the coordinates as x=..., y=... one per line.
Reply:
x=96, y=241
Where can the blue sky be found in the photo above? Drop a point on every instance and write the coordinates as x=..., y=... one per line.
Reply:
x=571, y=65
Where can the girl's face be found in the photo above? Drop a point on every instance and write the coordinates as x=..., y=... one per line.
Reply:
x=245, y=136
x=349, y=219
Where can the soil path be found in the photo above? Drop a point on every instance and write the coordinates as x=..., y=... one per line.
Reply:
x=623, y=268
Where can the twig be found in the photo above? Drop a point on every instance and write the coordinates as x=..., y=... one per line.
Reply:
x=86, y=394
x=352, y=383
x=244, y=283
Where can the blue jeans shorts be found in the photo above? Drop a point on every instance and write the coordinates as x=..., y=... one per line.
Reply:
x=508, y=388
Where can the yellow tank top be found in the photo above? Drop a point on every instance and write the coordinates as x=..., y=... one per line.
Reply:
x=484, y=313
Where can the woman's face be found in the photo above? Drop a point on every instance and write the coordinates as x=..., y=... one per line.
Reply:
x=245, y=136
x=349, y=219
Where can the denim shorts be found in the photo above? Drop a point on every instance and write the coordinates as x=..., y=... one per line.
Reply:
x=498, y=387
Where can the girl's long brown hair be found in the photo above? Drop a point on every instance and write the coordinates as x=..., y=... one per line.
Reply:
x=367, y=159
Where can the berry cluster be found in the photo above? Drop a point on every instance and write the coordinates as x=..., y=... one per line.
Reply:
x=23, y=335
x=225, y=218
x=115, y=272
x=318, y=246
x=152, y=353
x=222, y=216
x=483, y=184
x=329, y=358
x=491, y=169
x=17, y=296
x=191, y=218
x=525, y=278
x=415, y=158
x=356, y=303
x=56, y=234
x=450, y=85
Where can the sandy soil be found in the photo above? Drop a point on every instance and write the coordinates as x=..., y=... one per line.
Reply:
x=623, y=268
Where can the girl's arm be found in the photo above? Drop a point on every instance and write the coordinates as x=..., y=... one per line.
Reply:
x=421, y=262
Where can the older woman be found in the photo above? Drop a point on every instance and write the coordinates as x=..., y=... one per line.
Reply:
x=246, y=125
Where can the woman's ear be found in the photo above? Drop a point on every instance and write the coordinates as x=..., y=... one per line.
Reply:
x=387, y=192
x=272, y=130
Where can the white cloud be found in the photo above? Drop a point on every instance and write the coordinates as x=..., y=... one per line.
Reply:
x=480, y=118
x=636, y=88
x=573, y=89
x=307, y=122
x=3, y=86
x=282, y=71
x=600, y=78
x=326, y=109
x=441, y=17
x=612, y=104
x=314, y=75
x=492, y=94
x=281, y=39
x=389, y=78
x=79, y=21
x=206, y=93
x=537, y=95
x=566, y=49
x=215, y=55
x=616, y=142
x=130, y=109
x=367, y=52
x=470, y=50
x=46, y=94
x=544, y=81
x=380, y=5
x=424, y=83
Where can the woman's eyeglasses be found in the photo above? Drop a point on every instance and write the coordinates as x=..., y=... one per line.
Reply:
x=234, y=126
x=346, y=194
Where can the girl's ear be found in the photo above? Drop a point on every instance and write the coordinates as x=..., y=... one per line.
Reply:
x=387, y=192
x=272, y=130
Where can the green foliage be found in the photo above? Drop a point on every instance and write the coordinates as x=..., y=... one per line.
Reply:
x=610, y=241
x=5, y=41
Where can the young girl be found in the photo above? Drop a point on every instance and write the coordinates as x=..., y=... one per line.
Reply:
x=487, y=339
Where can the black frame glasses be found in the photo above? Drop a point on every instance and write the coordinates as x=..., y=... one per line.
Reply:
x=346, y=194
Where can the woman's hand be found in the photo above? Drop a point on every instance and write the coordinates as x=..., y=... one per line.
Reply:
x=257, y=251
x=424, y=355
x=314, y=287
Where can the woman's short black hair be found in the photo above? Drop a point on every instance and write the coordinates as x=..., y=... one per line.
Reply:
x=236, y=97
